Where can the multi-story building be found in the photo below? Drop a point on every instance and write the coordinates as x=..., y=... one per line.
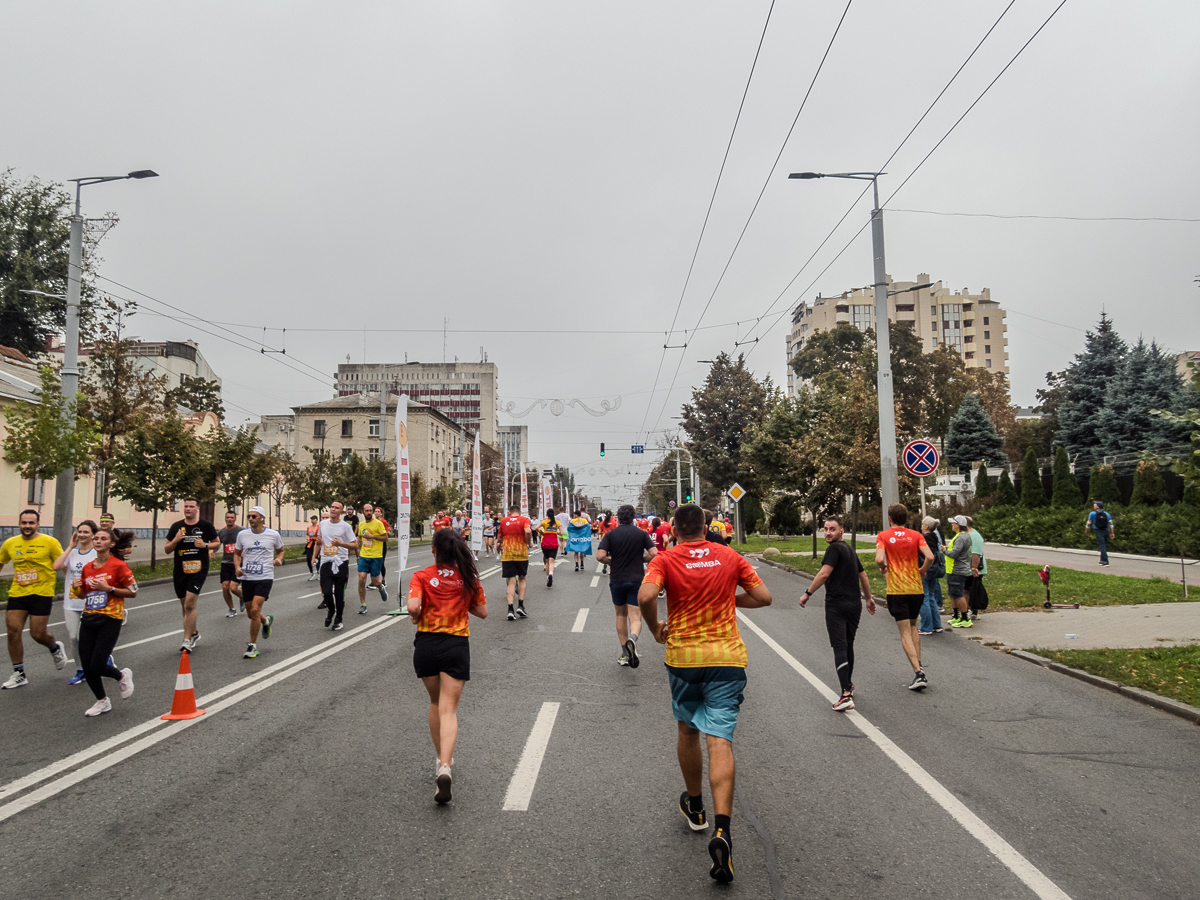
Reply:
x=465, y=391
x=175, y=360
x=972, y=325
x=514, y=442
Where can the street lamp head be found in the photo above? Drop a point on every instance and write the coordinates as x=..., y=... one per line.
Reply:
x=806, y=175
x=44, y=294
x=143, y=173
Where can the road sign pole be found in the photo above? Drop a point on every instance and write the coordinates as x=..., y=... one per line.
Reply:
x=921, y=481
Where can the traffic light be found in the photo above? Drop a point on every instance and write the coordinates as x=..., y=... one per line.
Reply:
x=602, y=448
x=688, y=497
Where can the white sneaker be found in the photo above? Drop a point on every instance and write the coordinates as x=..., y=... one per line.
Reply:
x=126, y=685
x=443, y=785
x=99, y=707
x=231, y=614
x=60, y=655
x=17, y=680
x=312, y=576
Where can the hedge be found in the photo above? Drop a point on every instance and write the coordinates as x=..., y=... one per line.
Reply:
x=1142, y=530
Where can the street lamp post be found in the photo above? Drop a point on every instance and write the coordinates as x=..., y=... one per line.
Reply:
x=64, y=490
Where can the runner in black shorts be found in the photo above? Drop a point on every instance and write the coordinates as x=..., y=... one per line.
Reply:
x=190, y=540
x=229, y=580
x=904, y=556
x=516, y=534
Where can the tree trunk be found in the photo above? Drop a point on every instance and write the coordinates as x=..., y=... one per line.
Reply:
x=154, y=540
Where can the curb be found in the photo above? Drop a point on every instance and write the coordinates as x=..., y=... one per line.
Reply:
x=1094, y=552
x=1166, y=704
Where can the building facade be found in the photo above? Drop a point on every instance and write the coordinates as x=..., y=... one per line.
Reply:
x=174, y=360
x=972, y=325
x=514, y=443
x=467, y=392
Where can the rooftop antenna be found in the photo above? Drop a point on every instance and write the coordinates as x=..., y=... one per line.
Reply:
x=445, y=322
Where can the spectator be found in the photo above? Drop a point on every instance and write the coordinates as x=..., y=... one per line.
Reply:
x=931, y=608
x=1101, y=523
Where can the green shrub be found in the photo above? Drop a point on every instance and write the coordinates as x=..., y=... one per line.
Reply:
x=1006, y=494
x=1103, y=485
x=983, y=484
x=1065, y=491
x=1143, y=530
x=1148, y=487
x=1033, y=495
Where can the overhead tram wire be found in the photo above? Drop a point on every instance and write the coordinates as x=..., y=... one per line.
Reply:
x=754, y=209
x=930, y=212
x=708, y=212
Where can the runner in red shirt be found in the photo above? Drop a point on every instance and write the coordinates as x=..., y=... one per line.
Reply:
x=439, y=598
x=661, y=532
x=516, y=534
x=898, y=553
x=706, y=663
x=441, y=521
x=105, y=583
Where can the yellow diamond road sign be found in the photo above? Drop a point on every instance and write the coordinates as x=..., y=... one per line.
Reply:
x=736, y=492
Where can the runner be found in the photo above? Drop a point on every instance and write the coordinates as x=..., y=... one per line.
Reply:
x=459, y=522
x=71, y=563
x=661, y=532
x=31, y=594
x=579, y=539
x=372, y=538
x=548, y=529
x=516, y=536
x=337, y=539
x=379, y=517
x=257, y=551
x=898, y=553
x=843, y=576
x=489, y=535
x=310, y=546
x=564, y=529
x=105, y=583
x=194, y=538
x=439, y=598
x=626, y=548
x=229, y=582
x=441, y=520
x=706, y=664
x=351, y=519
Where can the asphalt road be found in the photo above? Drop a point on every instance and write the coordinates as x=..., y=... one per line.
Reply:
x=312, y=773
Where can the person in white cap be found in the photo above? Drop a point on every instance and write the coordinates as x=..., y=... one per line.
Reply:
x=256, y=553
x=336, y=540
x=959, y=550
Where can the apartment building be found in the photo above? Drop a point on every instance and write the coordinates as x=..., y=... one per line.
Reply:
x=972, y=325
x=175, y=360
x=514, y=443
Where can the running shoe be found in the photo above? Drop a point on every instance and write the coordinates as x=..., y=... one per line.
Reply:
x=845, y=702
x=938, y=630
x=720, y=848
x=267, y=621
x=77, y=678
x=512, y=616
x=328, y=619
x=383, y=584
x=521, y=611
x=251, y=651
x=371, y=587
x=232, y=614
x=383, y=592
x=241, y=606
x=631, y=652
x=919, y=682
x=956, y=622
x=443, y=785
x=322, y=605
x=965, y=623
x=622, y=660
x=189, y=644
x=576, y=567
x=697, y=821
x=17, y=680
x=337, y=626
x=924, y=632
x=549, y=581
x=362, y=610
x=99, y=707
x=126, y=684
x=312, y=576
x=60, y=656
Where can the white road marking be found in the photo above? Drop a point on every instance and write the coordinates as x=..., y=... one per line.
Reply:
x=595, y=580
x=487, y=573
x=520, y=789
x=580, y=618
x=157, y=637
x=1032, y=876
x=599, y=567
x=55, y=768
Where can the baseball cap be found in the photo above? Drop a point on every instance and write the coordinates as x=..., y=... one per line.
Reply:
x=258, y=509
x=961, y=521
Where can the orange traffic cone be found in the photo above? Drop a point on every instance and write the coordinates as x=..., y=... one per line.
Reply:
x=184, y=704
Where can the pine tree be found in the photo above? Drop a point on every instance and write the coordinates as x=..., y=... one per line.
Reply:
x=1147, y=380
x=983, y=484
x=1085, y=390
x=1033, y=495
x=1148, y=487
x=1102, y=485
x=1006, y=494
x=1065, y=491
x=972, y=436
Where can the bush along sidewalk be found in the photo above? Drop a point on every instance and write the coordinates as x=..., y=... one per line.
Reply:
x=1167, y=531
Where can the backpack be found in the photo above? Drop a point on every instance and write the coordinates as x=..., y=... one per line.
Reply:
x=938, y=567
x=1101, y=523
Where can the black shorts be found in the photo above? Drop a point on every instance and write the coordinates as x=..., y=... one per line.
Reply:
x=956, y=585
x=34, y=604
x=434, y=652
x=514, y=568
x=260, y=589
x=228, y=573
x=190, y=584
x=905, y=606
x=549, y=553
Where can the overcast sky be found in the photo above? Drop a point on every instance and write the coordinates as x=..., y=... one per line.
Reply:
x=377, y=167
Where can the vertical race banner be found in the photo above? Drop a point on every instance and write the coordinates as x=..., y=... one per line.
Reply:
x=476, y=503
x=403, y=492
x=524, y=494
x=504, y=510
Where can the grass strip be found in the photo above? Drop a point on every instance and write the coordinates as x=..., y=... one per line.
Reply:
x=1168, y=671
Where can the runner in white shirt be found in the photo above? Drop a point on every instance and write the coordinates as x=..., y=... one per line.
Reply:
x=78, y=552
x=337, y=540
x=256, y=553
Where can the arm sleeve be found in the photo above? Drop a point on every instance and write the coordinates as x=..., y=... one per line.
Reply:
x=830, y=558
x=172, y=531
x=647, y=541
x=209, y=533
x=604, y=544
x=414, y=586
x=125, y=577
x=656, y=572
x=747, y=577
x=480, y=598
x=857, y=562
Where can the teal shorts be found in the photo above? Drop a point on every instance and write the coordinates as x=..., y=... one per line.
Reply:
x=707, y=698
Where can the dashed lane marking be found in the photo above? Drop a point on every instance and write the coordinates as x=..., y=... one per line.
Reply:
x=520, y=789
x=595, y=581
x=580, y=618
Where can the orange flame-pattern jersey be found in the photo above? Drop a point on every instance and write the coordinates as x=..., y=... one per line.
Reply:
x=903, y=549
x=514, y=546
x=443, y=606
x=701, y=579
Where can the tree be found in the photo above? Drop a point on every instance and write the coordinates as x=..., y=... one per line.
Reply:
x=992, y=389
x=972, y=436
x=839, y=349
x=157, y=464
x=360, y=481
x=946, y=389
x=1006, y=494
x=1188, y=464
x=1148, y=487
x=198, y=395
x=1147, y=380
x=983, y=483
x=281, y=487
x=39, y=442
x=1102, y=485
x=1033, y=494
x=235, y=467
x=1085, y=390
x=34, y=236
x=316, y=483
x=1065, y=491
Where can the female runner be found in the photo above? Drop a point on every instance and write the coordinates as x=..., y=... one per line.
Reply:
x=105, y=582
x=71, y=563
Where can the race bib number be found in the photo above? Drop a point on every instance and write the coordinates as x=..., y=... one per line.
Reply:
x=95, y=600
x=229, y=548
x=368, y=543
x=26, y=576
x=328, y=550
x=191, y=566
x=253, y=568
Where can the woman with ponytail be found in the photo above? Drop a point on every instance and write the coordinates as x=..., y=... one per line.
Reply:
x=439, y=599
x=105, y=582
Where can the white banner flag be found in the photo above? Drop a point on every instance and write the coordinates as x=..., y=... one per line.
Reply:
x=524, y=494
x=504, y=511
x=476, y=503
x=403, y=492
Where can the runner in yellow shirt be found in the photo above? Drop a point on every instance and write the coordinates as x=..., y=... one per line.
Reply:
x=372, y=538
x=31, y=594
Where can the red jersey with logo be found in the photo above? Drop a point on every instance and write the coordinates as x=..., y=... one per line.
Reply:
x=661, y=535
x=439, y=524
x=98, y=600
x=514, y=546
x=443, y=606
x=902, y=547
x=701, y=579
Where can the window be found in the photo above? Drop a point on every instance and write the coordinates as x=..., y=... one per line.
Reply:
x=319, y=428
x=987, y=348
x=987, y=363
x=37, y=492
x=346, y=453
x=933, y=310
x=935, y=342
x=985, y=320
x=100, y=487
x=299, y=514
x=373, y=453
x=373, y=428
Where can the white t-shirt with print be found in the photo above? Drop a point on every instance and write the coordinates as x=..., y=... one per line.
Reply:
x=258, y=553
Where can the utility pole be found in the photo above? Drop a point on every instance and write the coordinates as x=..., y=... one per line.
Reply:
x=889, y=483
x=678, y=480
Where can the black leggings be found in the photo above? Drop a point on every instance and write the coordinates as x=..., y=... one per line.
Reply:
x=841, y=619
x=98, y=635
x=308, y=556
x=333, y=588
x=383, y=565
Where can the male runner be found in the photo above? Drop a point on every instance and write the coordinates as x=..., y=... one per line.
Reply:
x=372, y=538
x=459, y=522
x=194, y=538
x=336, y=540
x=441, y=520
x=257, y=551
x=350, y=518
x=842, y=576
x=31, y=594
x=229, y=582
x=625, y=548
x=898, y=553
x=706, y=664
x=516, y=535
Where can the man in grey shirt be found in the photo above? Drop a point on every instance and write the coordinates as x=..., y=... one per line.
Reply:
x=959, y=550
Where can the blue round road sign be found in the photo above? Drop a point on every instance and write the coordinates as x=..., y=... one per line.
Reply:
x=920, y=458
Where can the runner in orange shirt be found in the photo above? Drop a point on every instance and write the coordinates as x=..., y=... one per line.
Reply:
x=898, y=553
x=706, y=663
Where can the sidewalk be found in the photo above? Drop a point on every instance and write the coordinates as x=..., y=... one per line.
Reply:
x=1149, y=625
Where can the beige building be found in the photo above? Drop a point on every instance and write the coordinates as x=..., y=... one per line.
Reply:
x=973, y=325
x=466, y=392
x=175, y=360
